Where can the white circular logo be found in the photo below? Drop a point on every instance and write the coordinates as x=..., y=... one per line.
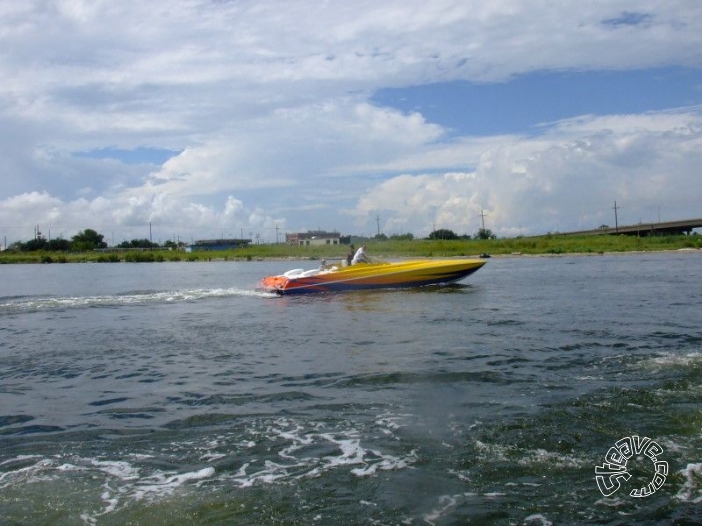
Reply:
x=610, y=474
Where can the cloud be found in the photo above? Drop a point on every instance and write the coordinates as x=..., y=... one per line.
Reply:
x=130, y=216
x=567, y=178
x=268, y=103
x=292, y=145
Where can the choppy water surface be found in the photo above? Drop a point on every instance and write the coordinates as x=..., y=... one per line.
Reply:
x=178, y=394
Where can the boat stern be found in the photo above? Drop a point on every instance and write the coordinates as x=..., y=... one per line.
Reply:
x=274, y=283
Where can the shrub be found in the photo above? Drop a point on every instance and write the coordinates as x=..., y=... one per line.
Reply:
x=139, y=257
x=108, y=258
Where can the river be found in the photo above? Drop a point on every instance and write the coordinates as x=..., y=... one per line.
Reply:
x=177, y=393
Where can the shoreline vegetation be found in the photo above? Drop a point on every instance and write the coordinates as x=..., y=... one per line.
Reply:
x=551, y=245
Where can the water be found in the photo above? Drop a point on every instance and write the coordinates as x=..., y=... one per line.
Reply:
x=175, y=393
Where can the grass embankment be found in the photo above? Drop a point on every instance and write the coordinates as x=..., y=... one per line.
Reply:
x=384, y=249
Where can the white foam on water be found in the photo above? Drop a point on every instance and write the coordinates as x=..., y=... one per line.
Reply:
x=391, y=422
x=461, y=475
x=8, y=477
x=388, y=463
x=164, y=484
x=612, y=502
x=118, y=469
x=537, y=518
x=309, y=451
x=281, y=451
x=538, y=456
x=371, y=460
x=211, y=457
x=691, y=490
x=669, y=445
x=126, y=478
x=271, y=473
x=351, y=451
x=294, y=464
x=502, y=453
x=673, y=360
x=493, y=451
x=446, y=502
x=137, y=298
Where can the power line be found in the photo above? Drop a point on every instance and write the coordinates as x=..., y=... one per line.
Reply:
x=482, y=217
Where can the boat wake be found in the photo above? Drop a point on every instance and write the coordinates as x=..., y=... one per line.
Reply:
x=263, y=452
x=9, y=305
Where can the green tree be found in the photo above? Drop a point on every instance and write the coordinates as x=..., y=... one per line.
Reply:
x=485, y=233
x=173, y=245
x=138, y=243
x=443, y=233
x=88, y=239
x=59, y=245
x=142, y=243
x=38, y=243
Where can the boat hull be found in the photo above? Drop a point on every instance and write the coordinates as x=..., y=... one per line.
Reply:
x=416, y=273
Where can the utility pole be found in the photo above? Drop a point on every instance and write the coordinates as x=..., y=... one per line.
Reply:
x=377, y=221
x=276, y=234
x=482, y=217
x=616, y=220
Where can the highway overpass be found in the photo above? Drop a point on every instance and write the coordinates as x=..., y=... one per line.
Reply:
x=684, y=226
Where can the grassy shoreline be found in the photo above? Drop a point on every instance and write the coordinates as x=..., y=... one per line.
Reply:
x=527, y=246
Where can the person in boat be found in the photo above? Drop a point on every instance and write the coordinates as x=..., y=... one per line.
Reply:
x=360, y=256
x=349, y=256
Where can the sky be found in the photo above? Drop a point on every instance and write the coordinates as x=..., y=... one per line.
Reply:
x=202, y=119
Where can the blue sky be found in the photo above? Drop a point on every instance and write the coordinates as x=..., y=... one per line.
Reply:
x=518, y=105
x=205, y=118
x=140, y=155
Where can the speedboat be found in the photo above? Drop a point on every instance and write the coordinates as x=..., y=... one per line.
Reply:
x=376, y=275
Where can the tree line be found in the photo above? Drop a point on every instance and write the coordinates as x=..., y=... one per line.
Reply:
x=442, y=233
x=83, y=241
x=90, y=239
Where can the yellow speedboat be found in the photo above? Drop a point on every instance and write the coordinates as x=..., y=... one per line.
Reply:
x=364, y=276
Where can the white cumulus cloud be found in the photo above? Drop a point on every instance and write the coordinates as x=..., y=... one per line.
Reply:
x=267, y=108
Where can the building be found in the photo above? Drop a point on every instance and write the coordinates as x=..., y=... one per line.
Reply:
x=314, y=237
x=218, y=244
